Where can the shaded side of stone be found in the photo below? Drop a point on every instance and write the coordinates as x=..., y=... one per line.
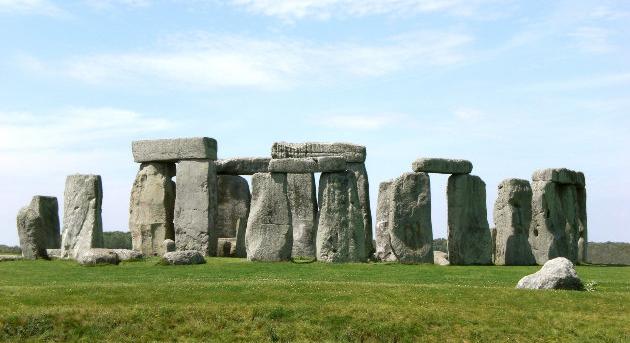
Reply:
x=303, y=204
x=307, y=165
x=383, y=246
x=442, y=166
x=363, y=189
x=82, y=221
x=350, y=152
x=38, y=227
x=582, y=225
x=243, y=166
x=233, y=207
x=560, y=175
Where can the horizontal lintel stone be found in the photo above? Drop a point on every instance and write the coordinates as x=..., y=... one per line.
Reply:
x=243, y=165
x=308, y=165
x=350, y=152
x=173, y=150
x=442, y=166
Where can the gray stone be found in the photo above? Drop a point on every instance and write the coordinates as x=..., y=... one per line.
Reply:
x=269, y=235
x=243, y=166
x=151, y=207
x=383, y=245
x=173, y=150
x=557, y=273
x=303, y=204
x=350, y=152
x=4, y=258
x=307, y=165
x=340, y=231
x=196, y=207
x=82, y=222
x=469, y=238
x=182, y=257
x=38, y=227
x=241, y=229
x=169, y=245
x=442, y=166
x=363, y=189
x=128, y=255
x=440, y=258
x=559, y=175
x=54, y=253
x=233, y=207
x=410, y=230
x=512, y=219
x=226, y=247
x=582, y=224
x=93, y=257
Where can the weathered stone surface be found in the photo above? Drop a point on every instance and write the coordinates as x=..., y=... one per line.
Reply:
x=559, y=175
x=243, y=166
x=557, y=273
x=128, y=255
x=615, y=253
x=184, y=257
x=54, y=253
x=233, y=208
x=307, y=165
x=4, y=258
x=269, y=235
x=303, y=204
x=169, y=245
x=226, y=247
x=410, y=230
x=442, y=166
x=363, y=189
x=350, y=152
x=173, y=150
x=93, y=257
x=241, y=229
x=440, y=258
x=383, y=246
x=151, y=207
x=582, y=224
x=469, y=238
x=512, y=219
x=38, y=227
x=82, y=222
x=196, y=207
x=340, y=231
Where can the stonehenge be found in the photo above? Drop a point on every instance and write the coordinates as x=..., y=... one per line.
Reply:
x=174, y=150
x=350, y=152
x=233, y=209
x=38, y=227
x=441, y=166
x=82, y=223
x=304, y=211
x=243, y=166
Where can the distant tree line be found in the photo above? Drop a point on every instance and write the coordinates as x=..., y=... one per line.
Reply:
x=117, y=240
x=439, y=244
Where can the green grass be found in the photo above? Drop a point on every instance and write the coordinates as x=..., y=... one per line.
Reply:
x=235, y=300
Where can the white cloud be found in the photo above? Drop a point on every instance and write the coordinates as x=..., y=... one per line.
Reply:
x=468, y=114
x=593, y=40
x=39, y=7
x=106, y=4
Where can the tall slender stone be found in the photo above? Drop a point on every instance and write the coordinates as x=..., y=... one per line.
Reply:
x=363, y=189
x=38, y=227
x=234, y=201
x=151, y=207
x=303, y=204
x=196, y=207
x=512, y=218
x=582, y=224
x=383, y=245
x=82, y=222
x=469, y=238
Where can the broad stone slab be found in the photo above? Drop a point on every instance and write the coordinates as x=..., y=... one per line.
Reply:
x=340, y=231
x=560, y=175
x=183, y=257
x=269, y=235
x=38, y=227
x=363, y=189
x=383, y=245
x=307, y=165
x=350, y=152
x=442, y=166
x=196, y=207
x=469, y=239
x=82, y=222
x=303, y=204
x=558, y=273
x=128, y=255
x=173, y=150
x=243, y=166
x=233, y=207
x=93, y=257
x=151, y=207
x=512, y=219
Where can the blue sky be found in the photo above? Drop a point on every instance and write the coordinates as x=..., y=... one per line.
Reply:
x=513, y=86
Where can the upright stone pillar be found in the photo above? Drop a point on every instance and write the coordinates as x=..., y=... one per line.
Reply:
x=383, y=245
x=82, y=222
x=196, y=207
x=582, y=219
x=363, y=189
x=303, y=204
x=469, y=238
x=512, y=218
x=38, y=227
x=269, y=235
x=151, y=207
x=234, y=202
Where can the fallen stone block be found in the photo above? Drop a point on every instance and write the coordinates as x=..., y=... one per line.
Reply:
x=558, y=273
x=243, y=166
x=442, y=166
x=350, y=152
x=128, y=255
x=173, y=150
x=307, y=165
x=54, y=253
x=4, y=258
x=183, y=257
x=82, y=222
x=93, y=257
x=440, y=258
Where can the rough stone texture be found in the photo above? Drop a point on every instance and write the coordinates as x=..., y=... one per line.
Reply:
x=82, y=222
x=269, y=235
x=169, y=245
x=410, y=230
x=54, y=253
x=233, y=207
x=582, y=224
x=442, y=166
x=340, y=231
x=183, y=257
x=560, y=175
x=243, y=166
x=128, y=255
x=196, y=207
x=4, y=258
x=557, y=273
x=303, y=203
x=173, y=150
x=512, y=218
x=38, y=227
x=307, y=165
x=440, y=258
x=93, y=257
x=469, y=238
x=363, y=189
x=226, y=247
x=383, y=246
x=609, y=253
x=151, y=207
x=350, y=152
x=241, y=249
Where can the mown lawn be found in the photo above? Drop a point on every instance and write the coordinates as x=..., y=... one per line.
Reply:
x=235, y=300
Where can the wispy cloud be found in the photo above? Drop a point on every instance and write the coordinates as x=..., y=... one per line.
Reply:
x=577, y=84
x=37, y=7
x=593, y=40
x=106, y=4
x=468, y=114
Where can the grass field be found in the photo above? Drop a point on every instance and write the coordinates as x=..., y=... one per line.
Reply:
x=234, y=300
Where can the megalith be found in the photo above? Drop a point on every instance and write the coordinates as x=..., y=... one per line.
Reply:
x=82, y=222
x=350, y=152
x=512, y=218
x=269, y=234
x=303, y=204
x=38, y=227
x=151, y=207
x=340, y=230
x=363, y=190
x=233, y=205
x=469, y=238
x=383, y=246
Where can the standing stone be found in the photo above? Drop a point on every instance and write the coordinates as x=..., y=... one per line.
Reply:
x=303, y=204
x=169, y=245
x=363, y=189
x=233, y=207
x=469, y=238
x=196, y=207
x=383, y=245
x=269, y=235
x=82, y=222
x=512, y=218
x=410, y=231
x=38, y=227
x=582, y=225
x=241, y=229
x=151, y=208
x=340, y=231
